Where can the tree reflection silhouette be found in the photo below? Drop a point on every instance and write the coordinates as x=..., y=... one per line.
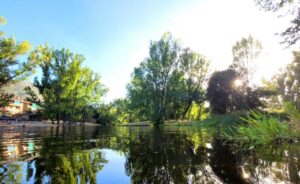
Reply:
x=166, y=155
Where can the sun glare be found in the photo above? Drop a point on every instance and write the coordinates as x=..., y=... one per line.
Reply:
x=237, y=83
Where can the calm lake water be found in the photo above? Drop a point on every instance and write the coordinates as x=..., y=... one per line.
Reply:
x=138, y=155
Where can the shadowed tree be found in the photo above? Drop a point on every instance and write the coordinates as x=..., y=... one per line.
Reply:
x=220, y=91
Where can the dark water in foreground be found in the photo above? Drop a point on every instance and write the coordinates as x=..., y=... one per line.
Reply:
x=138, y=155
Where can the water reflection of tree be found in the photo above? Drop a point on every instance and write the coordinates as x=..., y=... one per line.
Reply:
x=69, y=160
x=81, y=166
x=166, y=158
x=266, y=164
x=225, y=163
x=273, y=162
x=170, y=155
x=11, y=173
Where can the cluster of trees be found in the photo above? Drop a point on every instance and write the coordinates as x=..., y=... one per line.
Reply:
x=172, y=81
x=68, y=90
x=167, y=83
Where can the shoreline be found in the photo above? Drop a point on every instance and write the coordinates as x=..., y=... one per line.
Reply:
x=39, y=124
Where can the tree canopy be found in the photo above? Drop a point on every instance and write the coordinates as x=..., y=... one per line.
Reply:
x=166, y=83
x=67, y=87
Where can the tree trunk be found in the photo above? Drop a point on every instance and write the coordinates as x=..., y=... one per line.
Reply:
x=199, y=113
x=186, y=109
x=57, y=118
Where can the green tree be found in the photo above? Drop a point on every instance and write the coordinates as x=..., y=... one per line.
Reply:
x=11, y=69
x=168, y=82
x=194, y=68
x=121, y=110
x=150, y=81
x=68, y=88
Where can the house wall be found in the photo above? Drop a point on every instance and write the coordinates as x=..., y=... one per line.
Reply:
x=17, y=106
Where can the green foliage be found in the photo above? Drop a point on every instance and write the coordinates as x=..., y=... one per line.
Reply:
x=104, y=115
x=194, y=69
x=197, y=112
x=116, y=112
x=2, y=22
x=80, y=167
x=224, y=121
x=32, y=96
x=260, y=129
x=68, y=88
x=5, y=99
x=294, y=115
x=11, y=69
x=121, y=111
x=149, y=86
x=166, y=84
x=13, y=174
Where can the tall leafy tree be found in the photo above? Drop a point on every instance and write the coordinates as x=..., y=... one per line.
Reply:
x=150, y=80
x=67, y=87
x=168, y=82
x=194, y=68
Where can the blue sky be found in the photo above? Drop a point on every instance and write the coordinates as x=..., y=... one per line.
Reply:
x=114, y=35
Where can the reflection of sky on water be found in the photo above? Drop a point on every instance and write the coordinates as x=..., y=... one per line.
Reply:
x=114, y=170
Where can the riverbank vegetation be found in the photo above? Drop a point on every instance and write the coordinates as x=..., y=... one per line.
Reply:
x=172, y=84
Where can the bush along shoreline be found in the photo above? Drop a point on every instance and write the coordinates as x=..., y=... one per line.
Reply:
x=260, y=129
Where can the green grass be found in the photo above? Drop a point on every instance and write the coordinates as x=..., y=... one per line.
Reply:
x=223, y=121
x=260, y=129
x=294, y=115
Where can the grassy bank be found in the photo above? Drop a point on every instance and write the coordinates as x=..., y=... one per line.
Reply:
x=247, y=127
x=259, y=128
